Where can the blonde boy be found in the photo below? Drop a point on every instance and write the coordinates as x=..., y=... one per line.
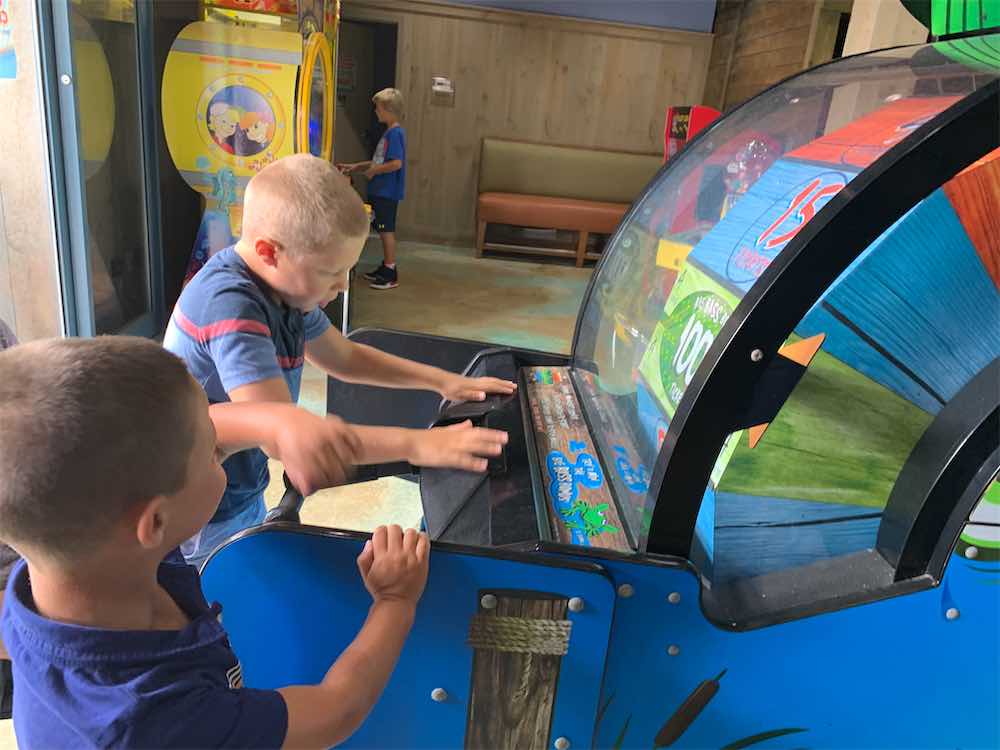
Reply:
x=386, y=174
x=251, y=317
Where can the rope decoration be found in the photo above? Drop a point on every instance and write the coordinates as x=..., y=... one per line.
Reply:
x=520, y=636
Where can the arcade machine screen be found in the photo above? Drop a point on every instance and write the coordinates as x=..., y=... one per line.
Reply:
x=707, y=228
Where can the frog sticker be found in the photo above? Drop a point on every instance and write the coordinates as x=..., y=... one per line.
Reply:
x=588, y=518
x=567, y=477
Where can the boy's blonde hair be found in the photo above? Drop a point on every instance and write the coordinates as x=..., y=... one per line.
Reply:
x=303, y=203
x=391, y=101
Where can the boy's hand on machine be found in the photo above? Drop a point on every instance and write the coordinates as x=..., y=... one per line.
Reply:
x=459, y=446
x=394, y=565
x=460, y=388
x=317, y=452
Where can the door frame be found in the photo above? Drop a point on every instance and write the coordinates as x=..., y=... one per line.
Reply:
x=58, y=79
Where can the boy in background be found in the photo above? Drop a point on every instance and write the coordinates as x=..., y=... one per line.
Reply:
x=386, y=174
x=254, y=313
x=110, y=457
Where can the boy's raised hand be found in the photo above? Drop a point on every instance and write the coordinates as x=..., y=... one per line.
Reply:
x=317, y=452
x=394, y=564
x=460, y=388
x=458, y=446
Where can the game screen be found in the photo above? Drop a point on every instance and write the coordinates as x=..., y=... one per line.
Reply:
x=706, y=230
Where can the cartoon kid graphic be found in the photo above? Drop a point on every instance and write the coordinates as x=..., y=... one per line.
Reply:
x=222, y=121
x=256, y=132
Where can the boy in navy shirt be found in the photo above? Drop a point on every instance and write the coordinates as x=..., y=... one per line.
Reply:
x=386, y=174
x=110, y=458
x=253, y=314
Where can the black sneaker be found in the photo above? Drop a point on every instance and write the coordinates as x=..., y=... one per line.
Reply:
x=373, y=274
x=386, y=278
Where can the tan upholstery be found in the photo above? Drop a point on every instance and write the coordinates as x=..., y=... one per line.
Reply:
x=557, y=187
x=563, y=171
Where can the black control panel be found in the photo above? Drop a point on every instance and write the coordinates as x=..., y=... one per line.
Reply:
x=498, y=507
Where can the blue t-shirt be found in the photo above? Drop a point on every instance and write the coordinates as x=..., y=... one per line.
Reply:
x=231, y=332
x=85, y=687
x=390, y=147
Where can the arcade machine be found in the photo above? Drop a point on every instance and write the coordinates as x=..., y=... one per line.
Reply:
x=757, y=505
x=684, y=123
x=250, y=84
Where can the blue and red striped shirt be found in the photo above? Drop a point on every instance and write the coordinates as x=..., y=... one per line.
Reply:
x=230, y=331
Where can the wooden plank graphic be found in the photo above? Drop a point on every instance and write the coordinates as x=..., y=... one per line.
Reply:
x=580, y=505
x=518, y=645
x=975, y=196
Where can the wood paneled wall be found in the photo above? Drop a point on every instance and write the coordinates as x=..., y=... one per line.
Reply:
x=523, y=76
x=757, y=44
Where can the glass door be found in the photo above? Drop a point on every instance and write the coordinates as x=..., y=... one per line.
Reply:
x=102, y=68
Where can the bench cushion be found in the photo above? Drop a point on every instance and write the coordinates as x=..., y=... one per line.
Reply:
x=550, y=213
x=564, y=171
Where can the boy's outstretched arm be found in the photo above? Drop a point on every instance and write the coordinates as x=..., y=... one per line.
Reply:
x=316, y=452
x=358, y=363
x=459, y=446
x=393, y=567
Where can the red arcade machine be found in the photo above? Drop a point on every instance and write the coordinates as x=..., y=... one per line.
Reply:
x=683, y=124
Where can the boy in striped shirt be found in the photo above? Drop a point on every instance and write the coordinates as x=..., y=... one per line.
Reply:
x=249, y=319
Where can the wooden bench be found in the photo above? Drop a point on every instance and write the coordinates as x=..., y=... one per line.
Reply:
x=557, y=187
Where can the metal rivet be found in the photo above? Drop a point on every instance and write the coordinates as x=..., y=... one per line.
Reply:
x=674, y=598
x=488, y=601
x=673, y=649
x=65, y=79
x=972, y=552
x=756, y=355
x=439, y=695
x=626, y=590
x=576, y=604
x=561, y=743
x=952, y=613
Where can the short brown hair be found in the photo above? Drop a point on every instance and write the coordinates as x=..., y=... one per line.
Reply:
x=90, y=428
x=304, y=203
x=391, y=101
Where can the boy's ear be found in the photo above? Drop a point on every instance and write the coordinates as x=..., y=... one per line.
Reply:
x=267, y=250
x=151, y=522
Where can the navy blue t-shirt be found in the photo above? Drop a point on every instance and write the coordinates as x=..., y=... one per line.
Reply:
x=84, y=687
x=390, y=147
x=230, y=332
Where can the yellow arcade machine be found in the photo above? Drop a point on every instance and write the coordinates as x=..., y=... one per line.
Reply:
x=251, y=84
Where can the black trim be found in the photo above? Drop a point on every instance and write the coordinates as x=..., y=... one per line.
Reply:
x=48, y=74
x=541, y=498
x=939, y=469
x=287, y=510
x=794, y=593
x=951, y=37
x=850, y=222
x=967, y=503
x=148, y=95
x=498, y=553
